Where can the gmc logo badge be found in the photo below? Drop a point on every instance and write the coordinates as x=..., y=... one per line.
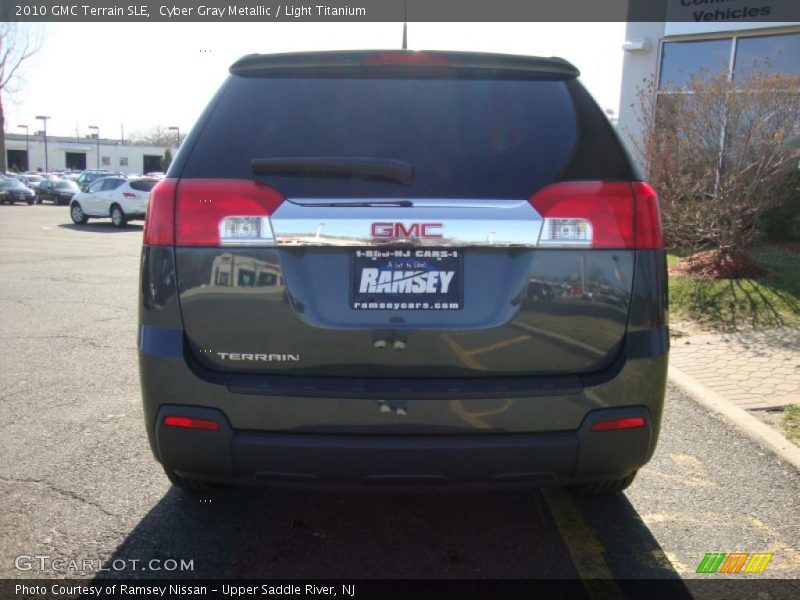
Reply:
x=400, y=231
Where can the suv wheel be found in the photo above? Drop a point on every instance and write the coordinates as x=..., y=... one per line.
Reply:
x=77, y=214
x=189, y=485
x=118, y=218
x=606, y=487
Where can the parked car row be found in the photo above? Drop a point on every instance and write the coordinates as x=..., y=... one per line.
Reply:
x=92, y=194
x=13, y=190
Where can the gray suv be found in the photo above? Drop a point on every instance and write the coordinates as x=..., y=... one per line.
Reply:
x=426, y=269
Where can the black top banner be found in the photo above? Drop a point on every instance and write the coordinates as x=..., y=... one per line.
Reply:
x=399, y=10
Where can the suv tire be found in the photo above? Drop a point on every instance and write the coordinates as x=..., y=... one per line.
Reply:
x=187, y=484
x=76, y=213
x=118, y=217
x=606, y=487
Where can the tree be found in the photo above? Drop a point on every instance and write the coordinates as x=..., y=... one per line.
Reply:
x=17, y=44
x=166, y=160
x=719, y=153
x=158, y=135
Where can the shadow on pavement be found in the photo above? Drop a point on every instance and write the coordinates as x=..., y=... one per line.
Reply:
x=263, y=533
x=103, y=227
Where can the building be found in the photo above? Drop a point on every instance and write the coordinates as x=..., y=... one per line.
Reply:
x=28, y=153
x=705, y=36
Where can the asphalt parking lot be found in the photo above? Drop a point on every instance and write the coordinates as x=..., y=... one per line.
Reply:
x=77, y=479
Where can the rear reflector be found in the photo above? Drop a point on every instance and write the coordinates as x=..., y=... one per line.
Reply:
x=616, y=424
x=597, y=214
x=190, y=423
x=412, y=59
x=159, y=225
x=210, y=212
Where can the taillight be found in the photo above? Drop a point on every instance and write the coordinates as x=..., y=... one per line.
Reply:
x=648, y=217
x=129, y=195
x=211, y=212
x=406, y=58
x=586, y=214
x=617, y=424
x=159, y=225
x=190, y=423
x=597, y=214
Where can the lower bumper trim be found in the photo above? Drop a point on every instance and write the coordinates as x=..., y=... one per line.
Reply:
x=403, y=460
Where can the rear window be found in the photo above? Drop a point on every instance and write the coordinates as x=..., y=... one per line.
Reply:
x=468, y=138
x=142, y=185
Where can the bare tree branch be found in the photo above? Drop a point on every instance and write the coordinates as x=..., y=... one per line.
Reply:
x=17, y=44
x=718, y=153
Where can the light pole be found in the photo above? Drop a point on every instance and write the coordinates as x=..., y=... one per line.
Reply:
x=27, y=148
x=43, y=119
x=97, y=135
x=178, y=133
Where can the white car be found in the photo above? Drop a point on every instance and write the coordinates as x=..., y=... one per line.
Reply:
x=116, y=197
x=31, y=180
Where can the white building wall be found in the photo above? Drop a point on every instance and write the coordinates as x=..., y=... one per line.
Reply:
x=58, y=147
x=637, y=67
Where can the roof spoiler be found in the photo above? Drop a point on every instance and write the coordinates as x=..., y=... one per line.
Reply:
x=364, y=63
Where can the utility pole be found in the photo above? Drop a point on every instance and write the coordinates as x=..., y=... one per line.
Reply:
x=44, y=118
x=27, y=148
x=97, y=134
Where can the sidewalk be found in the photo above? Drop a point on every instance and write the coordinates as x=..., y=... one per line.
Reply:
x=739, y=375
x=754, y=370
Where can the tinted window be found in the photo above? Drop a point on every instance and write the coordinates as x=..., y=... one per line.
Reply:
x=66, y=185
x=468, y=138
x=143, y=185
x=681, y=60
x=779, y=54
x=111, y=184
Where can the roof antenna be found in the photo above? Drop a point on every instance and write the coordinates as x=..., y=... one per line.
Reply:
x=405, y=25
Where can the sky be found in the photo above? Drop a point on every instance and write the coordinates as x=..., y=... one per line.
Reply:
x=139, y=75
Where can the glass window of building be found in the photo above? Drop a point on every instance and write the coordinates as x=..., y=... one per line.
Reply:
x=778, y=54
x=680, y=61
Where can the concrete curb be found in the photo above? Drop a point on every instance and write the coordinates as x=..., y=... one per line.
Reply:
x=760, y=432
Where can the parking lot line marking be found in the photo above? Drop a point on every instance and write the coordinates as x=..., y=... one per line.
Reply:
x=498, y=345
x=462, y=355
x=585, y=549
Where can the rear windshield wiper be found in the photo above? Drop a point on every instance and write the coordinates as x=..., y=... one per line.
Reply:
x=383, y=169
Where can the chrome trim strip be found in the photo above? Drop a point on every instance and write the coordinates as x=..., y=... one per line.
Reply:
x=464, y=222
x=407, y=202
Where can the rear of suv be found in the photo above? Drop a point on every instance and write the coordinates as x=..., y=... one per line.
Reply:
x=403, y=268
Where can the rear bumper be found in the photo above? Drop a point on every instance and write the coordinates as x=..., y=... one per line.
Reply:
x=336, y=430
x=538, y=434
x=464, y=461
